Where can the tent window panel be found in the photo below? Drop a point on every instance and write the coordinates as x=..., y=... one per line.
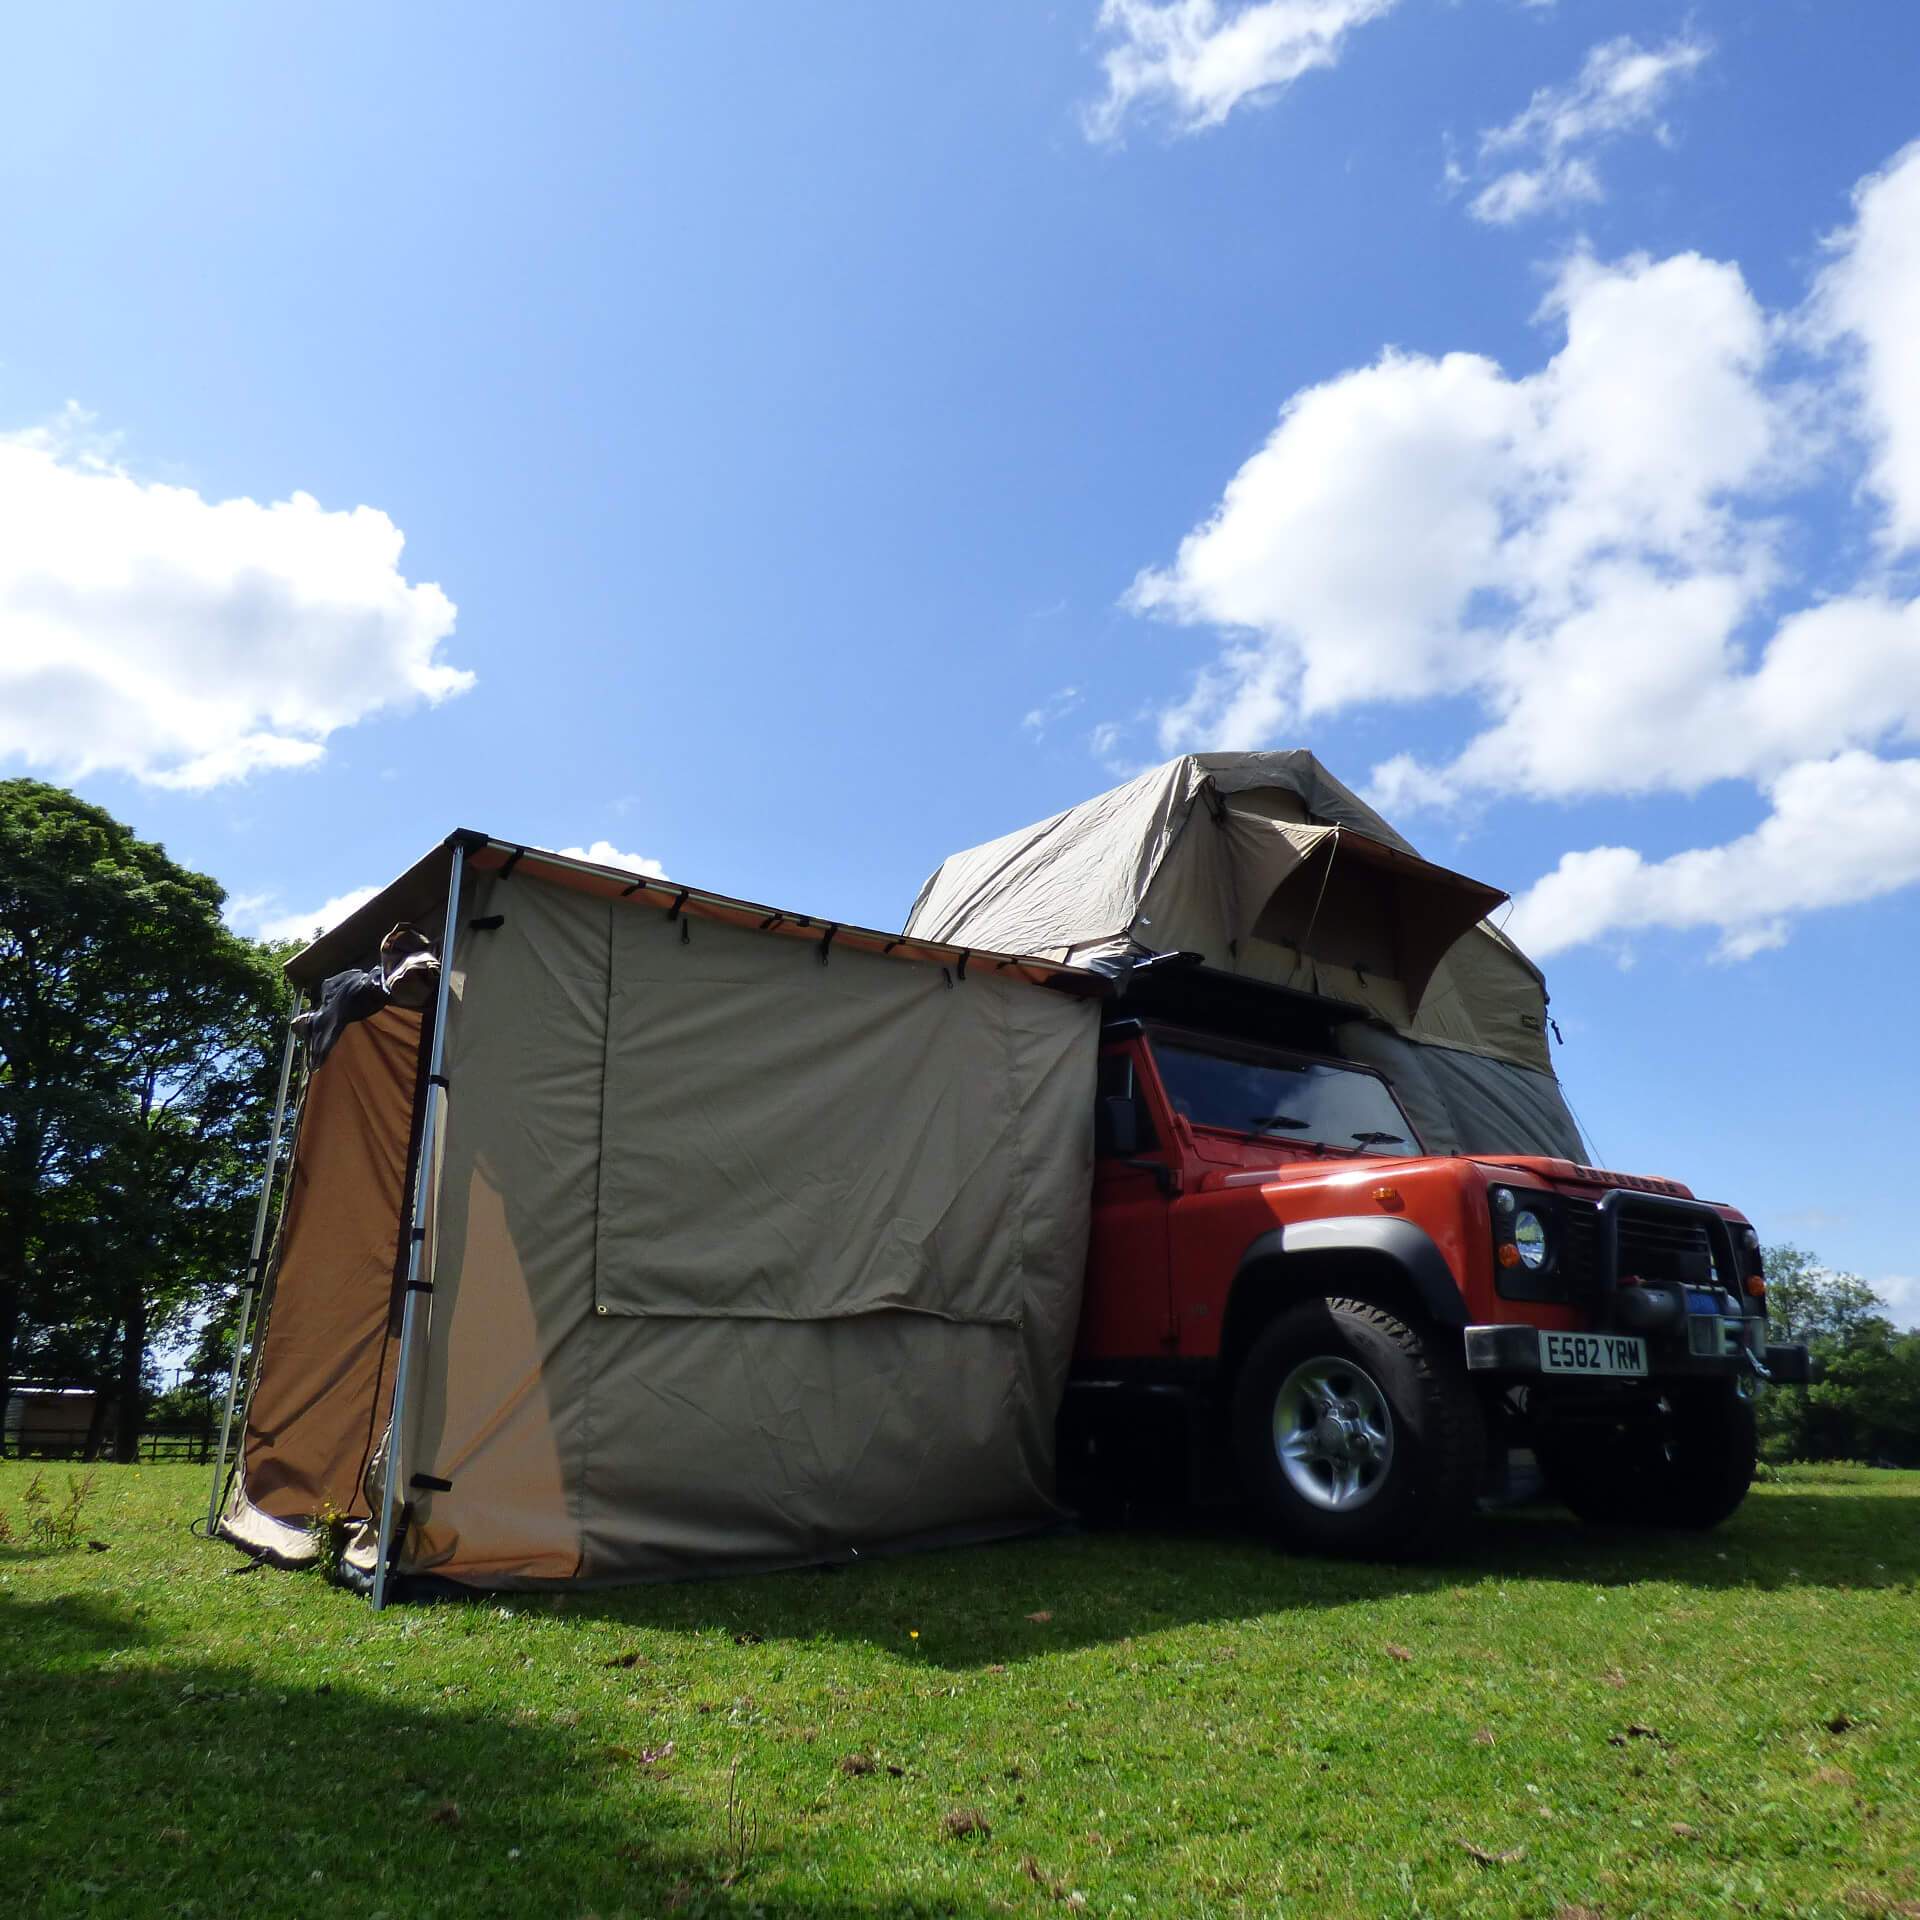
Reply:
x=1351, y=922
x=787, y=1141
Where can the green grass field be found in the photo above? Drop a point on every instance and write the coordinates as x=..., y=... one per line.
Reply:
x=1554, y=1722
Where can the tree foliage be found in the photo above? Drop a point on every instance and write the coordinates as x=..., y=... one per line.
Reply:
x=1864, y=1403
x=137, y=1048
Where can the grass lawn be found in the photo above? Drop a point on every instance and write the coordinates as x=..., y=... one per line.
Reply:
x=1555, y=1722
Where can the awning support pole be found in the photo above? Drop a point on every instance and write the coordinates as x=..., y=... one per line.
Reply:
x=422, y=1190
x=255, y=1276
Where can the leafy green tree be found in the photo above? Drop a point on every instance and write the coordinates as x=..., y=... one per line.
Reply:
x=1864, y=1402
x=137, y=1046
x=1808, y=1301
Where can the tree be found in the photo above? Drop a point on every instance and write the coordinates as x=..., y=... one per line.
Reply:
x=1808, y=1301
x=1865, y=1399
x=137, y=1044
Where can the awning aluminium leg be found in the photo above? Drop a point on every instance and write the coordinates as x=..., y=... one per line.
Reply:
x=422, y=1190
x=250, y=1288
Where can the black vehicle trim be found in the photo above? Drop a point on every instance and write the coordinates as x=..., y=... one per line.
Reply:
x=1408, y=1247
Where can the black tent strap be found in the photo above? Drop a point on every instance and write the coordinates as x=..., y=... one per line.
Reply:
x=627, y=893
x=673, y=912
x=487, y=923
x=419, y=1286
x=440, y=1080
x=826, y=940
x=429, y=1483
x=686, y=937
x=418, y=1233
x=513, y=860
x=960, y=972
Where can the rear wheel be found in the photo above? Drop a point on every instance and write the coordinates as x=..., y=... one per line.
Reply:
x=1688, y=1463
x=1354, y=1434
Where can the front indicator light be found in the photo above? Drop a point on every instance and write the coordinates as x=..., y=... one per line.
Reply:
x=1757, y=1285
x=1509, y=1254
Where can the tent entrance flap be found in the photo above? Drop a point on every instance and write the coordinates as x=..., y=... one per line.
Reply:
x=325, y=1375
x=1340, y=897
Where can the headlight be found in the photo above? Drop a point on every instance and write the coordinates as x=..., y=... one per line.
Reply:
x=1530, y=1239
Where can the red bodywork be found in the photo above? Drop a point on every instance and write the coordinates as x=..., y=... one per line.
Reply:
x=1169, y=1235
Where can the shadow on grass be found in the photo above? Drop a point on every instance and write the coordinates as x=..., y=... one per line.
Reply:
x=190, y=1787
x=1179, y=1568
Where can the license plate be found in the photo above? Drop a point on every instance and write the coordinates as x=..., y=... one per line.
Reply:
x=1616, y=1353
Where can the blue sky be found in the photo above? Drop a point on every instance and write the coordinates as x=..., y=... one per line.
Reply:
x=825, y=438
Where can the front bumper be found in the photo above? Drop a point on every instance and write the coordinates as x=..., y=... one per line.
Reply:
x=1708, y=1347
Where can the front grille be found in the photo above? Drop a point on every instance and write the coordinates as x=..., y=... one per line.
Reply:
x=1580, y=1258
x=1667, y=1248
x=1662, y=1245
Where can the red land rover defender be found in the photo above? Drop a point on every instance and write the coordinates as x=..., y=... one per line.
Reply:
x=1371, y=1328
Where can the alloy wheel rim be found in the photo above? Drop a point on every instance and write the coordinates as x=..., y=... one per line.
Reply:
x=1333, y=1433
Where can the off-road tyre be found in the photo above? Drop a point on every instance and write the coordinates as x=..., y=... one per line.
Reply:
x=1425, y=1496
x=1688, y=1466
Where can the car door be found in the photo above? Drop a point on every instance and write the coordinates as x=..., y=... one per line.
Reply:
x=1127, y=1312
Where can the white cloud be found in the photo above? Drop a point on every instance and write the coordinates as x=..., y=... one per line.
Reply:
x=603, y=853
x=1196, y=60
x=1406, y=525
x=1840, y=831
x=1901, y=1294
x=1053, y=709
x=267, y=925
x=147, y=630
x=1594, y=554
x=1621, y=88
x=1869, y=297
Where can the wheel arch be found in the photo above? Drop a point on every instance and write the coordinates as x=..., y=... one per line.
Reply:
x=1393, y=1264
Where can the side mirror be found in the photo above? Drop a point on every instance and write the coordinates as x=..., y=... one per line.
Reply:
x=1119, y=1126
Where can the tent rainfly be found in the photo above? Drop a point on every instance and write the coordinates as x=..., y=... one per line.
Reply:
x=675, y=1235
x=1265, y=865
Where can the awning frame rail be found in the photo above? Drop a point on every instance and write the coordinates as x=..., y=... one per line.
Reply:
x=423, y=1185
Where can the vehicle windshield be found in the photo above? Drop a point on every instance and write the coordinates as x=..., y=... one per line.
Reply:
x=1314, y=1101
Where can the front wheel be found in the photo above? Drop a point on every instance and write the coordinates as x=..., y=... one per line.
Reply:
x=1354, y=1434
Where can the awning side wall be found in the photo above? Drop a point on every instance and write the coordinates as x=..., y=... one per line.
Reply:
x=803, y=1349
x=324, y=1371
x=507, y=1374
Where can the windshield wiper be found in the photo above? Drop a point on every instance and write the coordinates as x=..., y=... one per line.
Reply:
x=1276, y=1120
x=1381, y=1139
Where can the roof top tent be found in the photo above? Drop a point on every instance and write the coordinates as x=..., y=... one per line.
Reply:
x=675, y=1235
x=1266, y=866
